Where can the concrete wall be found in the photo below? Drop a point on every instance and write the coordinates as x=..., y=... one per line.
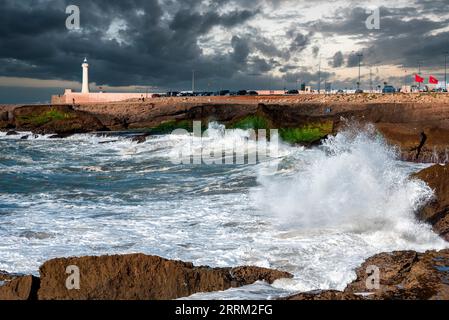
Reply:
x=270, y=92
x=96, y=97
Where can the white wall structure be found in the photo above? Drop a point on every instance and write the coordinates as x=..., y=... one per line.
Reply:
x=85, y=66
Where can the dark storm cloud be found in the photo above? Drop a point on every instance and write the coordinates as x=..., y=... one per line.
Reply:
x=406, y=35
x=154, y=48
x=353, y=59
x=164, y=40
x=337, y=60
x=299, y=42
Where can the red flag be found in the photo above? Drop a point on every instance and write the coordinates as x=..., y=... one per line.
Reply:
x=433, y=80
x=419, y=79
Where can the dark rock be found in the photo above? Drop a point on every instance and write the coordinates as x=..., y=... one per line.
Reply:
x=140, y=138
x=4, y=116
x=12, y=133
x=141, y=277
x=437, y=211
x=61, y=136
x=18, y=287
x=24, y=137
x=325, y=295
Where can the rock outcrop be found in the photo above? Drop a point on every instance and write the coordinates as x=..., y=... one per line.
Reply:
x=141, y=277
x=418, y=142
x=403, y=275
x=15, y=287
x=53, y=119
x=437, y=211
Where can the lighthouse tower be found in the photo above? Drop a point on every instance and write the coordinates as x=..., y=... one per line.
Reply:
x=85, y=66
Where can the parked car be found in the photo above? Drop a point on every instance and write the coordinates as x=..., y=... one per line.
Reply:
x=172, y=94
x=358, y=91
x=224, y=93
x=292, y=92
x=340, y=91
x=155, y=95
x=388, y=89
x=242, y=93
x=253, y=93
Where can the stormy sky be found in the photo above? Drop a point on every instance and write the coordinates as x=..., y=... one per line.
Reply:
x=138, y=45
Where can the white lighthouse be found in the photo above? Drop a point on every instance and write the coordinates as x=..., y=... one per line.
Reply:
x=85, y=66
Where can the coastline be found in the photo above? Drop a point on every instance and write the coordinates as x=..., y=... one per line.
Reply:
x=416, y=123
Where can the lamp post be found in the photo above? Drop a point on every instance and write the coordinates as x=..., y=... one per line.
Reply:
x=193, y=81
x=319, y=77
x=360, y=55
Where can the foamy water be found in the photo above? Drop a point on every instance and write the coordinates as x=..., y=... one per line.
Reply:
x=317, y=213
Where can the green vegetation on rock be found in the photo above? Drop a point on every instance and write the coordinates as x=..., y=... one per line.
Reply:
x=307, y=134
x=45, y=117
x=172, y=125
x=251, y=122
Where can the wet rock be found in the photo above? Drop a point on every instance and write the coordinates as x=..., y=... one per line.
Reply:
x=61, y=136
x=140, y=138
x=324, y=295
x=437, y=211
x=404, y=275
x=142, y=277
x=14, y=287
x=12, y=133
x=24, y=137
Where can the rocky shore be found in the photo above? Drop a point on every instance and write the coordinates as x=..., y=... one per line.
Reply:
x=128, y=277
x=418, y=124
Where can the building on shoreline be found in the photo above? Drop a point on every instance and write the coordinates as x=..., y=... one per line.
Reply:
x=85, y=96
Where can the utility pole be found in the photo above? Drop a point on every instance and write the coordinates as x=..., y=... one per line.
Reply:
x=371, y=79
x=419, y=74
x=319, y=76
x=405, y=77
x=360, y=55
x=193, y=81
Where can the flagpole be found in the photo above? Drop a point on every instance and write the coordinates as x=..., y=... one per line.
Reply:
x=419, y=74
x=445, y=69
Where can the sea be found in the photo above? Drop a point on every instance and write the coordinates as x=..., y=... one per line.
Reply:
x=317, y=212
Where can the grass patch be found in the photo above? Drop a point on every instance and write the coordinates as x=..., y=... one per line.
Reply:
x=307, y=134
x=170, y=126
x=251, y=122
x=45, y=117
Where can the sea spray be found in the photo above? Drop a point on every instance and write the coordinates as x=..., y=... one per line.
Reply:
x=218, y=145
x=352, y=183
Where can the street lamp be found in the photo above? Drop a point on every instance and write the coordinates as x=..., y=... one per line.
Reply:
x=360, y=55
